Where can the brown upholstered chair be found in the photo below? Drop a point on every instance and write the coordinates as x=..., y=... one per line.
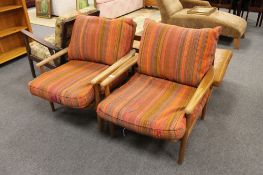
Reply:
x=98, y=47
x=171, y=87
x=172, y=12
x=40, y=49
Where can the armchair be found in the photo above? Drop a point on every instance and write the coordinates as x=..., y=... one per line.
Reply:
x=97, y=48
x=170, y=90
x=40, y=49
x=173, y=12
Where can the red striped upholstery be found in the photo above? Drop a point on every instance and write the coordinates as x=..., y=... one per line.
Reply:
x=68, y=84
x=101, y=40
x=150, y=106
x=175, y=53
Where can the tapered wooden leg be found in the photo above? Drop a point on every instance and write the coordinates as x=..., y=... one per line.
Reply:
x=236, y=43
x=182, y=149
x=31, y=64
x=258, y=19
x=203, y=112
x=112, y=129
x=243, y=36
x=261, y=20
x=247, y=15
x=100, y=123
x=52, y=106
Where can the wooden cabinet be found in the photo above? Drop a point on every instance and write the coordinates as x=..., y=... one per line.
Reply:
x=149, y=3
x=13, y=18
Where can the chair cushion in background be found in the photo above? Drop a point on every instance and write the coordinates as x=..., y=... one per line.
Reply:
x=182, y=55
x=101, y=40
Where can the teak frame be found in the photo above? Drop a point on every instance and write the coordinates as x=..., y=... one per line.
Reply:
x=204, y=87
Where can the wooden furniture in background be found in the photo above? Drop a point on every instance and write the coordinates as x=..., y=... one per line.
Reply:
x=227, y=4
x=13, y=18
x=150, y=3
x=256, y=6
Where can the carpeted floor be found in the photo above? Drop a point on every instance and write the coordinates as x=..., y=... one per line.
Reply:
x=34, y=140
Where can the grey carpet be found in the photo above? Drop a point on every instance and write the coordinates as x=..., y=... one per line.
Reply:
x=34, y=140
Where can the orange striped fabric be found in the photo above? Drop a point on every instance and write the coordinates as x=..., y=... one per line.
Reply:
x=101, y=40
x=68, y=84
x=175, y=53
x=150, y=106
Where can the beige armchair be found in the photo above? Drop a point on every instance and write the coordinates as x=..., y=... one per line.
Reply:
x=173, y=12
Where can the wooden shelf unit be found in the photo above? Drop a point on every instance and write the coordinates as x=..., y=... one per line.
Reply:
x=13, y=18
x=150, y=3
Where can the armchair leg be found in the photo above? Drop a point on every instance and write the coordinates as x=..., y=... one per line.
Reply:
x=112, y=129
x=203, y=112
x=183, y=145
x=236, y=43
x=100, y=123
x=52, y=106
x=31, y=64
x=261, y=20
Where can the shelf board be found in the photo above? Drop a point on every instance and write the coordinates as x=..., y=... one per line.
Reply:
x=9, y=7
x=4, y=57
x=11, y=31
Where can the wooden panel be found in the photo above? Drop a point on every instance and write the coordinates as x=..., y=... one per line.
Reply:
x=7, y=2
x=13, y=18
x=9, y=7
x=10, y=31
x=150, y=3
x=11, y=42
x=12, y=54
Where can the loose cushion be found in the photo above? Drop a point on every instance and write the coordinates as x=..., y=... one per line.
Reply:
x=182, y=55
x=68, y=84
x=150, y=106
x=101, y=40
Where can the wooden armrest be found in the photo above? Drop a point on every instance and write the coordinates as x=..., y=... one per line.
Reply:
x=222, y=59
x=52, y=57
x=122, y=69
x=201, y=90
x=40, y=40
x=98, y=79
x=193, y=3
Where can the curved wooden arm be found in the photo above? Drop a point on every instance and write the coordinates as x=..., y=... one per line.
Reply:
x=122, y=69
x=98, y=79
x=53, y=57
x=193, y=3
x=202, y=89
x=40, y=40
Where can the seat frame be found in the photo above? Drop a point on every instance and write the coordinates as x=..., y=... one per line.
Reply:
x=203, y=88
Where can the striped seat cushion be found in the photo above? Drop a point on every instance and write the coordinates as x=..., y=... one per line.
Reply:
x=150, y=106
x=175, y=53
x=68, y=84
x=101, y=40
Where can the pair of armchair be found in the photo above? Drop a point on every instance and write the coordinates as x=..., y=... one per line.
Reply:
x=163, y=99
x=39, y=49
x=175, y=12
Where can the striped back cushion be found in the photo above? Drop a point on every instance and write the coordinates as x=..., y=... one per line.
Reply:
x=175, y=53
x=101, y=40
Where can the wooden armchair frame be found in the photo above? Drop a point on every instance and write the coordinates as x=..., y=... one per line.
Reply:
x=52, y=49
x=95, y=81
x=204, y=87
